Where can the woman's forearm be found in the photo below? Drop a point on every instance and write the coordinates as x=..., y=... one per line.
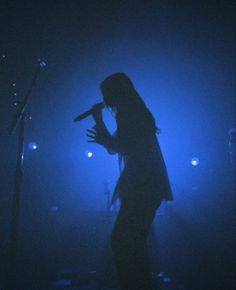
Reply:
x=109, y=141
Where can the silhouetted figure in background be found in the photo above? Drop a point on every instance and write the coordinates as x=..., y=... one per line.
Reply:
x=143, y=182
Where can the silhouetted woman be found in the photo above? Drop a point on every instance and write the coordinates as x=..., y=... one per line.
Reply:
x=143, y=182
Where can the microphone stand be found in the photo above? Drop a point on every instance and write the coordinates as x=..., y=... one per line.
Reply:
x=19, y=119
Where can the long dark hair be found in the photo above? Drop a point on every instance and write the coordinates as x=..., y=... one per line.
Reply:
x=119, y=93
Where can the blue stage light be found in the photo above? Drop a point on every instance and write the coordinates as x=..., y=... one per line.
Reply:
x=89, y=153
x=195, y=161
x=32, y=146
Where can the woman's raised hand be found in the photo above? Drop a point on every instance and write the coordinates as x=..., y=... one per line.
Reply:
x=98, y=134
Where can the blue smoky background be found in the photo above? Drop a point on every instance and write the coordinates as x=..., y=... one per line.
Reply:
x=180, y=56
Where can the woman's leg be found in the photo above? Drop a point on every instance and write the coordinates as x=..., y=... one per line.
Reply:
x=129, y=244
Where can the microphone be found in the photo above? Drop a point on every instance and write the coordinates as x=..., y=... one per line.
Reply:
x=89, y=112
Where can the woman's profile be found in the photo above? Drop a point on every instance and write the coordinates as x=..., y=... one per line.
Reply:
x=143, y=183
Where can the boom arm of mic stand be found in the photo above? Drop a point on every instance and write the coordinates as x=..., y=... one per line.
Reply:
x=22, y=104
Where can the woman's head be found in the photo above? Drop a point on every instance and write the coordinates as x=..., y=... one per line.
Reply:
x=118, y=90
x=120, y=95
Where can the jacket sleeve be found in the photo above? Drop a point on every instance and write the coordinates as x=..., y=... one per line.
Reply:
x=125, y=139
x=118, y=142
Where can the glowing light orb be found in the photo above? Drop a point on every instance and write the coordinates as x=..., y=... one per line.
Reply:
x=89, y=153
x=32, y=146
x=195, y=161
